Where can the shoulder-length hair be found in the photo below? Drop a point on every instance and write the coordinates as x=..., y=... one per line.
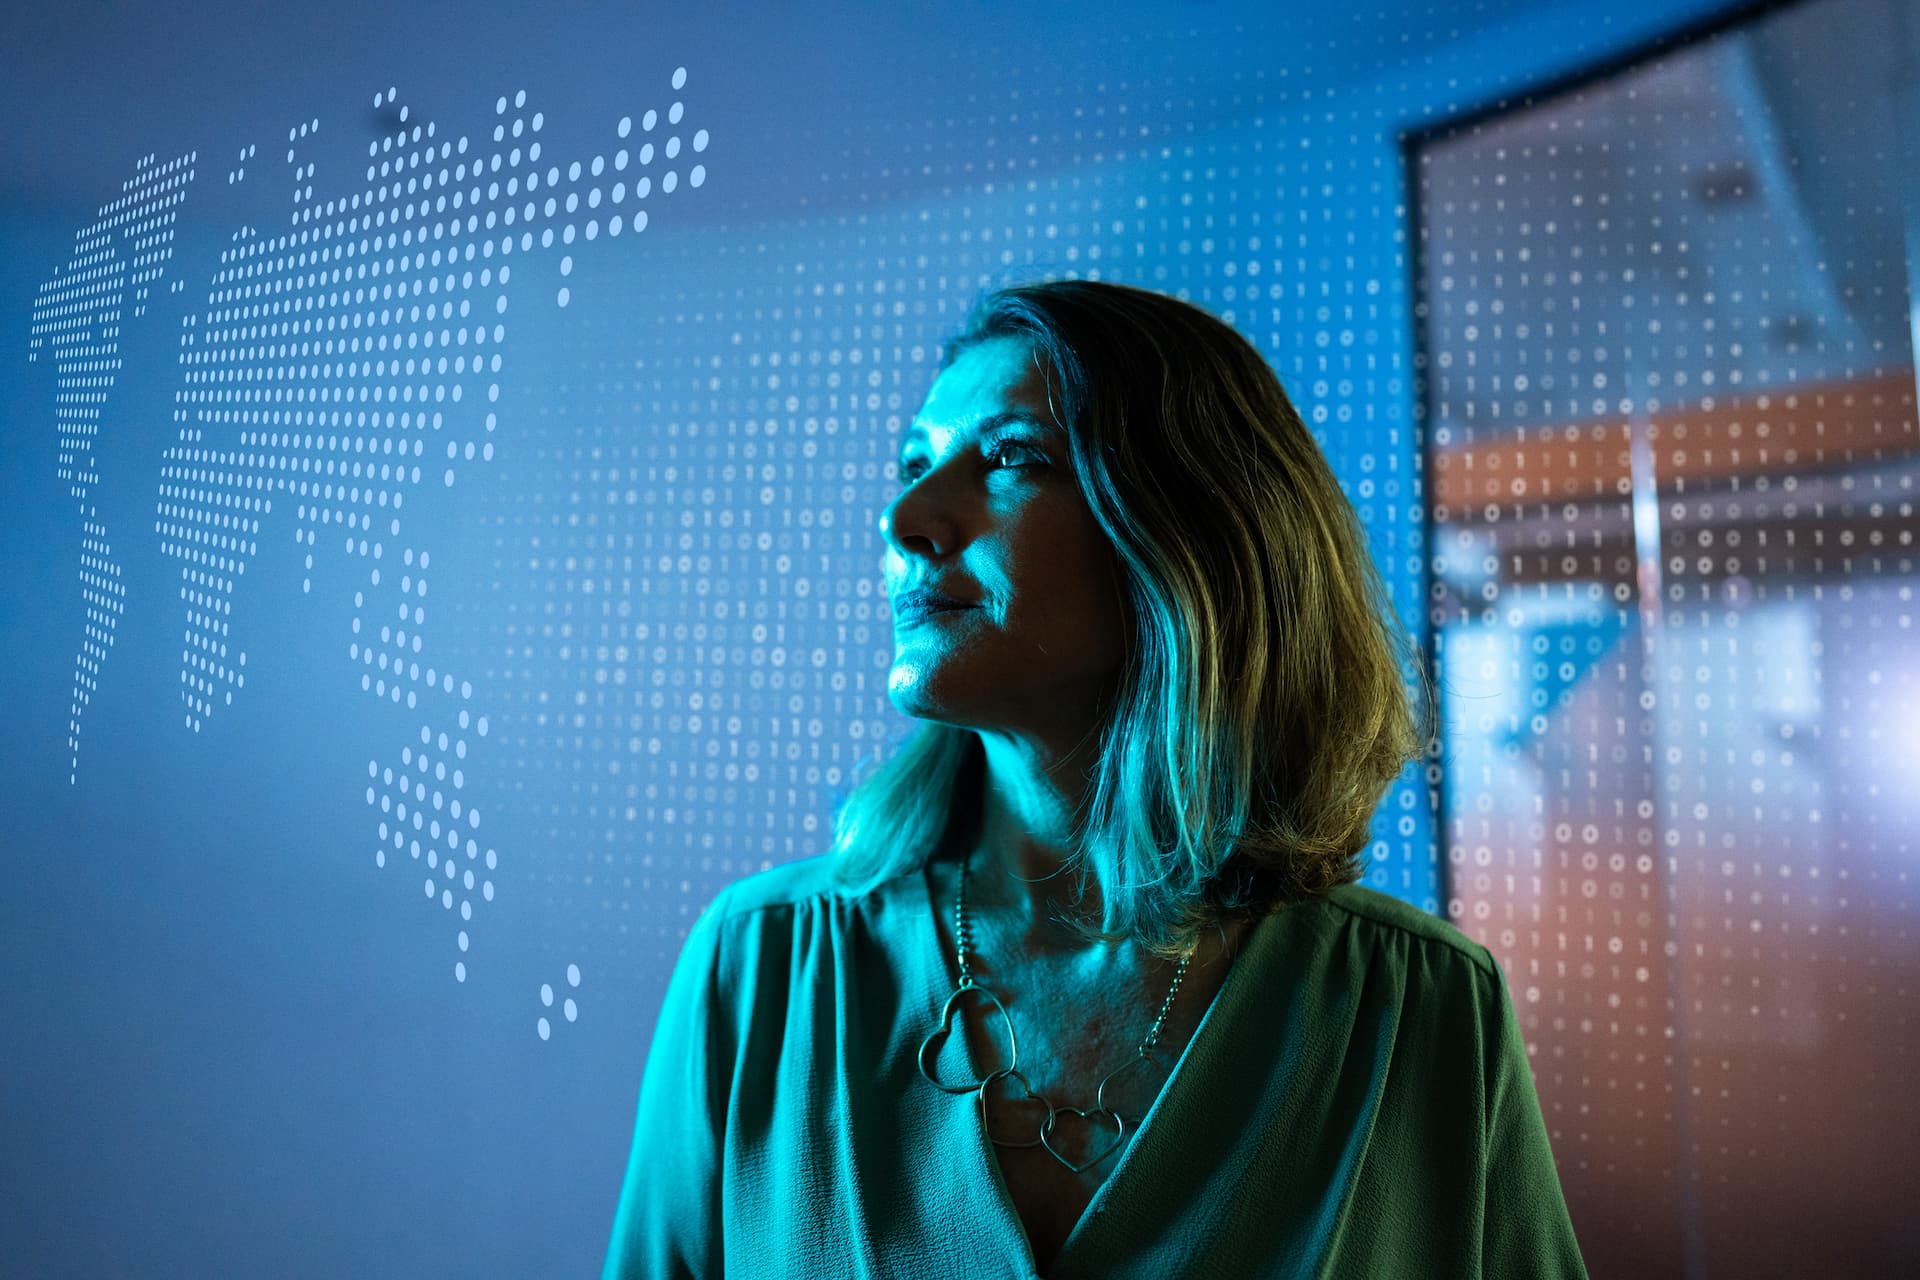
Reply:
x=1262, y=711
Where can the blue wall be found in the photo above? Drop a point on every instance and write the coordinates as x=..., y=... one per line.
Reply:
x=258, y=1020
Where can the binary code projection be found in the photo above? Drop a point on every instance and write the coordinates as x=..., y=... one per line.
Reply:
x=78, y=314
x=1634, y=439
x=340, y=363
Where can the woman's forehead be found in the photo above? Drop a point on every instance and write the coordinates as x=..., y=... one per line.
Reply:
x=998, y=379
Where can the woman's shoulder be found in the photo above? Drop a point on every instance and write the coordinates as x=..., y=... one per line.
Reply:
x=1376, y=910
x=763, y=925
x=784, y=884
x=803, y=883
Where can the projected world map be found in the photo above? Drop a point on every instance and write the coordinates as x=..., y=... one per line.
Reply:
x=339, y=363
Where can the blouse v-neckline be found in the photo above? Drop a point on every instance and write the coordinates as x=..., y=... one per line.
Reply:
x=987, y=1165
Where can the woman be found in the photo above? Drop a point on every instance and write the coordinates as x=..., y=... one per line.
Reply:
x=1084, y=986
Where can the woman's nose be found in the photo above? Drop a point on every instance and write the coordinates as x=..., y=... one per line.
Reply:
x=912, y=524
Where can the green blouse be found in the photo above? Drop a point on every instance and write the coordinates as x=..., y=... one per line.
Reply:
x=1355, y=1103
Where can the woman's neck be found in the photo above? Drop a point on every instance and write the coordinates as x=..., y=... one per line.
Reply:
x=1028, y=811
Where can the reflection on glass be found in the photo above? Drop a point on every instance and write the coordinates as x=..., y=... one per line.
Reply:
x=1671, y=462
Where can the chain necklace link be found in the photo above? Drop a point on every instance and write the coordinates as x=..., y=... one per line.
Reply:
x=1101, y=1116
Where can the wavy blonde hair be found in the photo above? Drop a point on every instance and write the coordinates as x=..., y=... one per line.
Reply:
x=1261, y=712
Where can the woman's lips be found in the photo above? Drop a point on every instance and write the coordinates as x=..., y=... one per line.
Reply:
x=913, y=614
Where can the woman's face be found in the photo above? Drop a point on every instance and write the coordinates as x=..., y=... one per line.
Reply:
x=990, y=513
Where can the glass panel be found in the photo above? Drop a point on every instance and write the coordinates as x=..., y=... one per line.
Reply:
x=1671, y=466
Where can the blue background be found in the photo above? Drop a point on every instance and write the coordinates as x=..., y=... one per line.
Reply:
x=236, y=1043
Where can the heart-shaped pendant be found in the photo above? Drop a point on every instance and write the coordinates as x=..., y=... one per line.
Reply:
x=937, y=1040
x=1143, y=1058
x=1053, y=1117
x=981, y=1096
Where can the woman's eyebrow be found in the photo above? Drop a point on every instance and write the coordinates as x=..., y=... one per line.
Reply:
x=991, y=422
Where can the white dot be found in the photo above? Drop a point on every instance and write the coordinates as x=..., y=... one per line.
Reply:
x=545, y=1030
x=573, y=975
x=570, y=1009
x=680, y=77
x=626, y=125
x=564, y=296
x=460, y=971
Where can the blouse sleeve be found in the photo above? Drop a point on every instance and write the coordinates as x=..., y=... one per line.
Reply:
x=1526, y=1230
x=668, y=1220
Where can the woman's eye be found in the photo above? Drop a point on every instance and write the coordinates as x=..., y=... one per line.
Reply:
x=1015, y=446
x=912, y=470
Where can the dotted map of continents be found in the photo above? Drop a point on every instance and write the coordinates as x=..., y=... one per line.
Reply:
x=339, y=363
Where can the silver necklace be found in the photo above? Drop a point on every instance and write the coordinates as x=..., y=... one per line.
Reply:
x=1100, y=1117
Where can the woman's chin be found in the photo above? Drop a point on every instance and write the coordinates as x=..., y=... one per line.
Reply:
x=916, y=694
